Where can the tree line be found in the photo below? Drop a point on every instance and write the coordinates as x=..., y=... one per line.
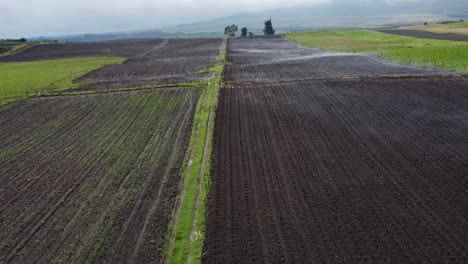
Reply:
x=232, y=29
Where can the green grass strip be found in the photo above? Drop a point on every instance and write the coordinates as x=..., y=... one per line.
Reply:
x=451, y=55
x=184, y=249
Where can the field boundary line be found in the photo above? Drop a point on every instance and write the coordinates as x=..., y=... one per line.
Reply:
x=186, y=176
x=196, y=207
x=186, y=231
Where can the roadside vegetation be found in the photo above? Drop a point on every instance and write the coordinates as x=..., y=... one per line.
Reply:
x=187, y=229
x=23, y=79
x=451, y=55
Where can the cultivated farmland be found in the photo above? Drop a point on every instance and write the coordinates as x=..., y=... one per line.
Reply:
x=91, y=178
x=175, y=61
x=276, y=59
x=453, y=27
x=341, y=170
x=451, y=55
x=348, y=163
x=116, y=48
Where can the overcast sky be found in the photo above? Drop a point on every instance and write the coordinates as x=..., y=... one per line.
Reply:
x=65, y=17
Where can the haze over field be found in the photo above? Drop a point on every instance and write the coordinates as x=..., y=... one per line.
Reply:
x=55, y=17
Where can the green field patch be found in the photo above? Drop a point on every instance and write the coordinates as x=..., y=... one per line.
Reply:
x=26, y=78
x=451, y=55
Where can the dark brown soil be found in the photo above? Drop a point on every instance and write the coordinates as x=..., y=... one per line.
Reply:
x=91, y=179
x=276, y=59
x=115, y=48
x=425, y=34
x=178, y=61
x=260, y=49
x=358, y=163
x=369, y=171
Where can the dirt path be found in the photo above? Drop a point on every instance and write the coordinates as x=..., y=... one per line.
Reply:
x=163, y=43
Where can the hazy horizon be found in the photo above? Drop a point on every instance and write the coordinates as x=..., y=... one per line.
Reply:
x=25, y=18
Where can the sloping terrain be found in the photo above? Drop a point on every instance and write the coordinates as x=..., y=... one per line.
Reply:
x=91, y=178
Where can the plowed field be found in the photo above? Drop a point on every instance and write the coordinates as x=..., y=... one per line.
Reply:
x=341, y=172
x=91, y=178
x=331, y=158
x=175, y=61
x=116, y=48
x=274, y=59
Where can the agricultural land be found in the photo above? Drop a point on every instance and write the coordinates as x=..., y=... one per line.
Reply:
x=445, y=54
x=453, y=28
x=337, y=157
x=95, y=175
x=344, y=146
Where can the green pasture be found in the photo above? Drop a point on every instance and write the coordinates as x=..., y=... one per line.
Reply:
x=25, y=78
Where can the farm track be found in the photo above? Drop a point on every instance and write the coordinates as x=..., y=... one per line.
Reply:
x=340, y=168
x=80, y=186
x=425, y=34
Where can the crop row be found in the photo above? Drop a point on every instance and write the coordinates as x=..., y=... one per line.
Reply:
x=91, y=178
x=368, y=171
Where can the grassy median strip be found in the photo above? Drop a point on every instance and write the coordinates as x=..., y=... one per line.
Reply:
x=451, y=55
x=187, y=229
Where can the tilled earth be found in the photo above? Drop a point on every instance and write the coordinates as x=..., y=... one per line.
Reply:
x=91, y=178
x=339, y=170
x=275, y=59
x=116, y=48
x=175, y=61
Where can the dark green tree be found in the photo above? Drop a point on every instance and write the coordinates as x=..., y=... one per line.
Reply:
x=244, y=32
x=234, y=28
x=230, y=30
x=250, y=34
x=268, y=30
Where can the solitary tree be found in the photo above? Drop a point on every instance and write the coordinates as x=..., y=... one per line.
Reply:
x=250, y=34
x=268, y=28
x=244, y=32
x=230, y=30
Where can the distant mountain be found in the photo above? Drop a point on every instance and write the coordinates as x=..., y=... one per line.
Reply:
x=350, y=14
